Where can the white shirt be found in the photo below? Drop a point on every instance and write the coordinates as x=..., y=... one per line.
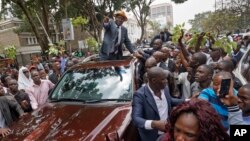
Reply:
x=5, y=90
x=185, y=89
x=162, y=106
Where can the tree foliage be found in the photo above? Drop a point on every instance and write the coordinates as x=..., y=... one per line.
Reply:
x=229, y=16
x=92, y=44
x=88, y=15
x=30, y=9
x=155, y=27
x=225, y=44
x=215, y=22
x=79, y=21
x=177, y=32
x=10, y=51
x=140, y=9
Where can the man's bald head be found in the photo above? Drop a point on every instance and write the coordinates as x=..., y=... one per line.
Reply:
x=158, y=55
x=246, y=86
x=150, y=62
x=155, y=72
x=165, y=50
x=223, y=75
x=198, y=59
x=157, y=78
x=226, y=65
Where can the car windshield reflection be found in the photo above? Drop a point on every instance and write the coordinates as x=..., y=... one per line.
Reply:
x=110, y=83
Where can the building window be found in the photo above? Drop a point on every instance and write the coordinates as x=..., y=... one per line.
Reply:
x=31, y=40
x=169, y=10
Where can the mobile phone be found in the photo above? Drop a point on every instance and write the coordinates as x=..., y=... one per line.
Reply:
x=224, y=87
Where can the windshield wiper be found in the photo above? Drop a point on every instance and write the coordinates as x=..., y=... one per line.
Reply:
x=67, y=99
x=104, y=100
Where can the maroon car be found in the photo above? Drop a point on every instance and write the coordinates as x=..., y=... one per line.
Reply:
x=92, y=102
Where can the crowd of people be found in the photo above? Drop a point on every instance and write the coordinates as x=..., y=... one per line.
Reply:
x=27, y=89
x=181, y=94
x=179, y=98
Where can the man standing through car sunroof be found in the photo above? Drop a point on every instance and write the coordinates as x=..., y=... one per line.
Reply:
x=115, y=35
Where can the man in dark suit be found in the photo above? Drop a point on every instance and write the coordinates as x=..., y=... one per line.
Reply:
x=167, y=35
x=115, y=35
x=152, y=104
x=159, y=36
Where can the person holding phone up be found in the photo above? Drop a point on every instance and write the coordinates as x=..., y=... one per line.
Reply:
x=222, y=86
x=238, y=106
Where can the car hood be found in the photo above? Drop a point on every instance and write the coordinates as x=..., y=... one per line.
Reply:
x=63, y=121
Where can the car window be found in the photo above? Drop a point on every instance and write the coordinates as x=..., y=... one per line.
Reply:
x=245, y=67
x=97, y=83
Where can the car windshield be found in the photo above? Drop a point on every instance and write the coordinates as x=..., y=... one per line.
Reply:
x=95, y=84
x=245, y=67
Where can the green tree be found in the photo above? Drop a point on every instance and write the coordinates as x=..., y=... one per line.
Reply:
x=52, y=12
x=94, y=11
x=221, y=22
x=29, y=8
x=240, y=8
x=10, y=51
x=197, y=22
x=155, y=27
x=216, y=22
x=140, y=9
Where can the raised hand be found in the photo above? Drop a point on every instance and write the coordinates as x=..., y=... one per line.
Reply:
x=180, y=39
x=106, y=19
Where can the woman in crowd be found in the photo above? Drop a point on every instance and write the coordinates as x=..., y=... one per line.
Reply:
x=195, y=120
x=24, y=78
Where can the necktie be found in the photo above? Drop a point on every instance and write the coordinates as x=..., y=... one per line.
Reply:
x=117, y=40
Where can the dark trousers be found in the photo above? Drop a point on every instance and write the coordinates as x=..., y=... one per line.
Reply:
x=111, y=56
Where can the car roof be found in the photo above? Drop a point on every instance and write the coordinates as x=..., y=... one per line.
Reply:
x=94, y=62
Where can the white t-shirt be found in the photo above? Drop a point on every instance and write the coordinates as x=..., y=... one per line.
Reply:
x=185, y=89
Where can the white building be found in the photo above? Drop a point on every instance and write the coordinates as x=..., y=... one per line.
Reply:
x=161, y=11
x=134, y=31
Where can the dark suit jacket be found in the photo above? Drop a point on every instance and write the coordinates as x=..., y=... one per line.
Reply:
x=157, y=37
x=144, y=108
x=110, y=36
x=53, y=78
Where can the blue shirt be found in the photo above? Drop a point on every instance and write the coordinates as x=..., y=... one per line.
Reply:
x=247, y=120
x=63, y=63
x=209, y=95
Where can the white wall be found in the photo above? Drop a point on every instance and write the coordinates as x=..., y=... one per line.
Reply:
x=134, y=31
